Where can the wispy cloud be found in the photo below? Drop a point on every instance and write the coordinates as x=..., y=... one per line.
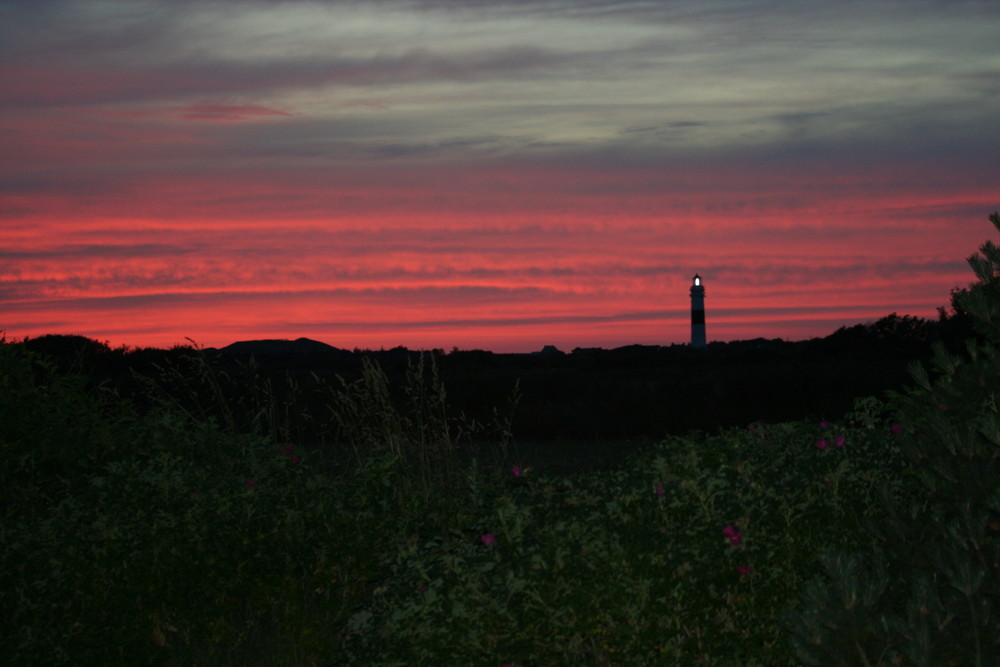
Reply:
x=228, y=112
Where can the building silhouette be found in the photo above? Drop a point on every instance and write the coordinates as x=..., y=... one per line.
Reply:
x=697, y=312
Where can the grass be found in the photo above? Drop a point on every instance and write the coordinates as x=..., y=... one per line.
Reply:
x=167, y=537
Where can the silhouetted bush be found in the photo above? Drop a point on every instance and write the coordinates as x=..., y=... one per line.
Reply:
x=929, y=592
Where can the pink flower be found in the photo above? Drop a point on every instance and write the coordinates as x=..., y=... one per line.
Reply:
x=516, y=471
x=743, y=570
x=824, y=424
x=839, y=441
x=896, y=429
x=822, y=443
x=296, y=458
x=660, y=490
x=488, y=539
x=735, y=536
x=288, y=449
x=250, y=483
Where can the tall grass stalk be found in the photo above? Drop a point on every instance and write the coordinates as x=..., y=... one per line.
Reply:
x=412, y=427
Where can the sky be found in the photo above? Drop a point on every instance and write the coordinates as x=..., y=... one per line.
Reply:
x=497, y=175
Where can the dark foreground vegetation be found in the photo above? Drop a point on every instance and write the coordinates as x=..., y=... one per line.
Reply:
x=211, y=507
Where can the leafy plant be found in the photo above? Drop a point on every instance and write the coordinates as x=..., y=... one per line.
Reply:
x=167, y=535
x=53, y=425
x=685, y=555
x=928, y=591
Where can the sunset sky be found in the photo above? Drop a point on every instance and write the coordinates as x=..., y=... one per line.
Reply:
x=497, y=175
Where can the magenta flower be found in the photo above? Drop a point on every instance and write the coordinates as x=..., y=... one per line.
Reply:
x=839, y=441
x=822, y=443
x=896, y=429
x=824, y=424
x=250, y=483
x=660, y=490
x=743, y=570
x=516, y=471
x=489, y=539
x=296, y=458
x=288, y=449
x=735, y=536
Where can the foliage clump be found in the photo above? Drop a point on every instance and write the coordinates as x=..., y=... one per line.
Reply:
x=168, y=536
x=928, y=591
x=685, y=555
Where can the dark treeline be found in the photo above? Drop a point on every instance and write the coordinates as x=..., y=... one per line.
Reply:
x=284, y=388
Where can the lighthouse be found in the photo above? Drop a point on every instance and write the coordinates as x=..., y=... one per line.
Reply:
x=697, y=312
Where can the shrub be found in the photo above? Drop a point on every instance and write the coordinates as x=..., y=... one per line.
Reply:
x=685, y=555
x=928, y=593
x=54, y=428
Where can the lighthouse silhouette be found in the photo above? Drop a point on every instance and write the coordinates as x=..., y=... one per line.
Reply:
x=697, y=312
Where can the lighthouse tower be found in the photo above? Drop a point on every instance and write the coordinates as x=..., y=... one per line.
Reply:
x=697, y=312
